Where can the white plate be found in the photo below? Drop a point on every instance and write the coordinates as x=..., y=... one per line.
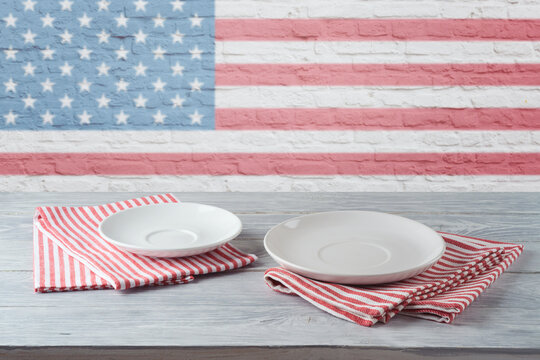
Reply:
x=170, y=230
x=354, y=247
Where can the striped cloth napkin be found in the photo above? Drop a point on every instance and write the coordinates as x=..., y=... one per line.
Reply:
x=69, y=253
x=467, y=267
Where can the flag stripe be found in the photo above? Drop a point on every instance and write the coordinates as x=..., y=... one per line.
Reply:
x=272, y=164
x=376, y=9
x=375, y=119
x=375, y=52
x=377, y=29
x=334, y=182
x=291, y=141
x=376, y=97
x=378, y=74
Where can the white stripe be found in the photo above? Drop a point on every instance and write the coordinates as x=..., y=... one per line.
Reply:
x=342, y=141
x=463, y=9
x=380, y=183
x=376, y=52
x=377, y=96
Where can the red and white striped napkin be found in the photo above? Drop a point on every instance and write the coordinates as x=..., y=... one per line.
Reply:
x=69, y=253
x=467, y=267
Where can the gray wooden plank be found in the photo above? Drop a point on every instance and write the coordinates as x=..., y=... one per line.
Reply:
x=237, y=309
x=465, y=203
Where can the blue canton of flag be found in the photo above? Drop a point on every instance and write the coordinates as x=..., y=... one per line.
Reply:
x=108, y=64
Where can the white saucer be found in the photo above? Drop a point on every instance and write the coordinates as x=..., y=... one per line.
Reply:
x=354, y=247
x=170, y=230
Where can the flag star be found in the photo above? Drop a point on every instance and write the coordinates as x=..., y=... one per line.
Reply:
x=47, y=53
x=196, y=53
x=66, y=101
x=10, y=53
x=140, y=101
x=103, y=101
x=103, y=69
x=11, y=20
x=196, y=21
x=29, y=37
x=158, y=53
x=177, y=5
x=47, y=118
x=159, y=85
x=29, y=5
x=47, y=85
x=196, y=118
x=159, y=117
x=196, y=85
x=177, y=69
x=121, y=85
x=103, y=36
x=66, y=69
x=140, y=5
x=177, y=37
x=140, y=69
x=140, y=37
x=177, y=101
x=66, y=37
x=121, y=21
x=10, y=85
x=158, y=21
x=85, y=20
x=85, y=118
x=66, y=5
x=29, y=101
x=47, y=20
x=103, y=5
x=121, y=118
x=29, y=69
x=10, y=117
x=84, y=53
x=121, y=53
x=84, y=85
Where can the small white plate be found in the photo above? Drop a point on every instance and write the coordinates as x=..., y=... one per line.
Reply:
x=354, y=247
x=170, y=230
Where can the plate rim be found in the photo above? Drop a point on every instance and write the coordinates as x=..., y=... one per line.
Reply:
x=142, y=248
x=282, y=261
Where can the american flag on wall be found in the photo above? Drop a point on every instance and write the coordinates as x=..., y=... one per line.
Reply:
x=270, y=95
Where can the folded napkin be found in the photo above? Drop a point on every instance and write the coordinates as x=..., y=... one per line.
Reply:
x=69, y=253
x=467, y=267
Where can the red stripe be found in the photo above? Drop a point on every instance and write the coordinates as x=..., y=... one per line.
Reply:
x=271, y=163
x=378, y=119
x=377, y=29
x=378, y=74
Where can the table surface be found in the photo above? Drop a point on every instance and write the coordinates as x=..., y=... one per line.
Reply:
x=236, y=315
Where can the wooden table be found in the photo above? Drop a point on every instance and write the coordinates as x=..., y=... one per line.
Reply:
x=235, y=315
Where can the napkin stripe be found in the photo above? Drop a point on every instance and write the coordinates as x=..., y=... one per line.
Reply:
x=468, y=266
x=69, y=253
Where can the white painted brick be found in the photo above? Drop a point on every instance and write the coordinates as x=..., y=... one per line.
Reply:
x=514, y=48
